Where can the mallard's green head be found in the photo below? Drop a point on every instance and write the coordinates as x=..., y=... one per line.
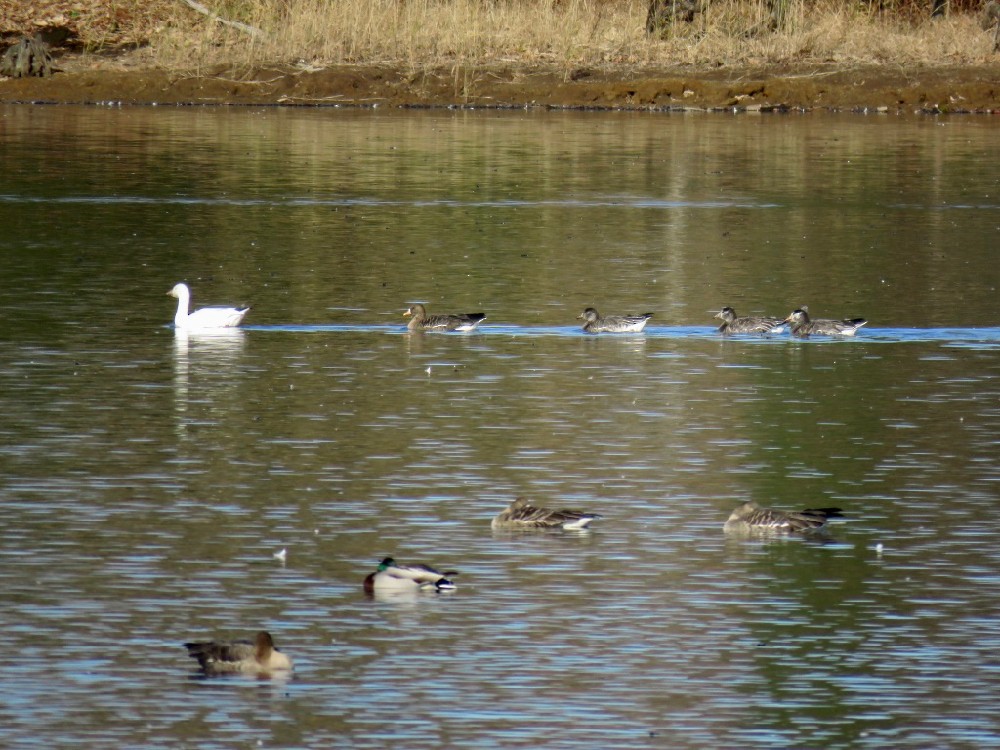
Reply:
x=386, y=563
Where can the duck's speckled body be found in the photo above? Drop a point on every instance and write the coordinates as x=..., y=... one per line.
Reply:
x=521, y=514
x=802, y=325
x=750, y=324
x=421, y=321
x=594, y=323
x=750, y=516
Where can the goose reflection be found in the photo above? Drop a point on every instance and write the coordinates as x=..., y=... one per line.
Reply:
x=208, y=352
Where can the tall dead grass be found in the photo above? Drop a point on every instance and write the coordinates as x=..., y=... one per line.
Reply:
x=570, y=33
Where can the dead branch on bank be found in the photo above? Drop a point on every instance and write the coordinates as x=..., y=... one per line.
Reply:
x=245, y=28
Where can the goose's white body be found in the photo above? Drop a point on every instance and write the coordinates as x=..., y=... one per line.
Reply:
x=206, y=317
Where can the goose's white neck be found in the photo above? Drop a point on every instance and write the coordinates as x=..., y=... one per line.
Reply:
x=183, y=295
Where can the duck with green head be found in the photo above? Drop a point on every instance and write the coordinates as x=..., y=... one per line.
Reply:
x=392, y=577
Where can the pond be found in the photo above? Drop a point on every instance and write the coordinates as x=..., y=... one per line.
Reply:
x=149, y=478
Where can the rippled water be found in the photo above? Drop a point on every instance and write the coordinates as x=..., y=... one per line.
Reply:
x=149, y=478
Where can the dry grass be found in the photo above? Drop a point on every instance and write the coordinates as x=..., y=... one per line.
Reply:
x=568, y=33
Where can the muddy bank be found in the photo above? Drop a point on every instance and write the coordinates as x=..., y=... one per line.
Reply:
x=939, y=89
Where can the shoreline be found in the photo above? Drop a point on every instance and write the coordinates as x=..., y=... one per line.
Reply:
x=805, y=87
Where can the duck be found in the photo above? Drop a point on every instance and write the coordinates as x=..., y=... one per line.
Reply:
x=521, y=514
x=206, y=317
x=393, y=577
x=257, y=657
x=732, y=324
x=612, y=323
x=421, y=321
x=752, y=517
x=803, y=326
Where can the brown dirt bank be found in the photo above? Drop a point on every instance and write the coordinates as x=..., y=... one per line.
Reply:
x=870, y=88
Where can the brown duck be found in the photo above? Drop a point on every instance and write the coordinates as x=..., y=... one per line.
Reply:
x=421, y=321
x=259, y=657
x=733, y=324
x=802, y=325
x=521, y=514
x=595, y=323
x=751, y=517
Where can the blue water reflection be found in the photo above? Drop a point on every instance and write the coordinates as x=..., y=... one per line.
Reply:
x=961, y=337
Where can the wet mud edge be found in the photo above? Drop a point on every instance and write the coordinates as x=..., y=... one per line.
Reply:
x=788, y=88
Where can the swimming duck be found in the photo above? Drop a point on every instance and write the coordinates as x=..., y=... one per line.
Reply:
x=750, y=516
x=421, y=321
x=802, y=325
x=259, y=657
x=612, y=323
x=392, y=577
x=521, y=514
x=206, y=317
x=732, y=324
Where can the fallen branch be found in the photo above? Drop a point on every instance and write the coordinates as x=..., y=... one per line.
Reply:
x=245, y=28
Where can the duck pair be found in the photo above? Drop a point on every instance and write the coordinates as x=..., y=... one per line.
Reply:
x=391, y=577
x=594, y=322
x=801, y=324
x=748, y=516
x=261, y=658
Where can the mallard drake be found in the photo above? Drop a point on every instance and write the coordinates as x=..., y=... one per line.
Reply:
x=612, y=323
x=802, y=325
x=259, y=657
x=421, y=321
x=391, y=577
x=206, y=317
x=732, y=324
x=521, y=514
x=750, y=516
